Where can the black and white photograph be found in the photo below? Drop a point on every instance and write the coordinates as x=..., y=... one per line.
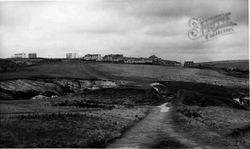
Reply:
x=170, y=74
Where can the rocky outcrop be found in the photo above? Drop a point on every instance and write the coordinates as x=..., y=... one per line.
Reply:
x=26, y=89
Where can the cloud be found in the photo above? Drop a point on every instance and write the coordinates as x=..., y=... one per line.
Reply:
x=139, y=28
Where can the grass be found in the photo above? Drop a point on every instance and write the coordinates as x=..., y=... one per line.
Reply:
x=51, y=70
x=102, y=98
x=141, y=73
x=144, y=73
x=67, y=129
x=94, y=118
x=235, y=68
x=239, y=64
x=61, y=130
x=85, y=120
x=192, y=94
x=212, y=126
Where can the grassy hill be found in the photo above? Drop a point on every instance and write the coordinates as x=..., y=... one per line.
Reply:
x=128, y=72
x=238, y=64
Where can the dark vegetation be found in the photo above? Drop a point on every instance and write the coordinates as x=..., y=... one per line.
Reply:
x=238, y=64
x=8, y=65
x=234, y=68
x=123, y=96
x=168, y=143
x=99, y=117
x=60, y=130
x=221, y=122
x=83, y=104
x=111, y=98
x=192, y=94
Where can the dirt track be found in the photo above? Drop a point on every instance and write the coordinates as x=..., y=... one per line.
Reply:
x=154, y=131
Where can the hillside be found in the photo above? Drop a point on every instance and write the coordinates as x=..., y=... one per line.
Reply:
x=238, y=64
x=48, y=77
x=44, y=103
x=126, y=72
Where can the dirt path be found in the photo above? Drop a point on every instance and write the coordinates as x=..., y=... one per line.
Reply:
x=154, y=129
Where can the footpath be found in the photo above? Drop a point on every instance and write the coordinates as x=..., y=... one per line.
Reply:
x=152, y=130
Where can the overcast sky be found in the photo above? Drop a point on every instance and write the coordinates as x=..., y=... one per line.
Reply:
x=129, y=27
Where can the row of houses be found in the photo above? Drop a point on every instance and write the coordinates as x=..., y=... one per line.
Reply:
x=113, y=58
x=93, y=57
x=141, y=60
x=23, y=55
x=119, y=58
x=189, y=64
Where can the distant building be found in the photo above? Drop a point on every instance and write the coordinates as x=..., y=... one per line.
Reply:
x=176, y=63
x=153, y=57
x=129, y=60
x=71, y=55
x=113, y=58
x=93, y=57
x=169, y=63
x=141, y=60
x=20, y=55
x=32, y=55
x=107, y=58
x=188, y=63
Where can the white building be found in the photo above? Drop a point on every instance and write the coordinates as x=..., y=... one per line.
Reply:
x=20, y=55
x=71, y=55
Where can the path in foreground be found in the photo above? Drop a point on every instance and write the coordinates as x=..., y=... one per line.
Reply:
x=155, y=128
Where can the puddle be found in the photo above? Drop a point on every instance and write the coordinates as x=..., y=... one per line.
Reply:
x=164, y=107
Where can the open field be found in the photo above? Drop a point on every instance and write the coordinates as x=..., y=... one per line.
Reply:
x=163, y=73
x=239, y=64
x=129, y=72
x=236, y=68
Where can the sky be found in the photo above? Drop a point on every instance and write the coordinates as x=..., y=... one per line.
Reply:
x=138, y=28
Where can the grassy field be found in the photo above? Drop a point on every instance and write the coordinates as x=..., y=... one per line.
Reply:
x=239, y=64
x=137, y=73
x=235, y=68
x=52, y=70
x=163, y=73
